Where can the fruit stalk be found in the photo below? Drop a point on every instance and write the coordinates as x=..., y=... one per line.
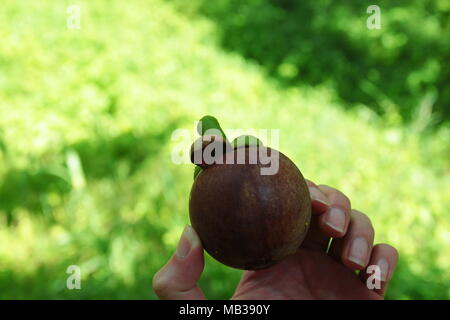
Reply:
x=210, y=123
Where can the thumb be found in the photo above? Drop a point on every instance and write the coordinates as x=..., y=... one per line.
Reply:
x=177, y=280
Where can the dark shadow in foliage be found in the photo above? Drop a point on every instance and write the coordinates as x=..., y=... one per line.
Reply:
x=101, y=158
x=28, y=188
x=315, y=42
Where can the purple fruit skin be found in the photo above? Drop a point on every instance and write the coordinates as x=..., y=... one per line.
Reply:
x=247, y=220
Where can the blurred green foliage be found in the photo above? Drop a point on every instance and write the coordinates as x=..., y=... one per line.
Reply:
x=402, y=67
x=86, y=123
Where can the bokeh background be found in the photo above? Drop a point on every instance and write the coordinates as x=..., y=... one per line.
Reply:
x=87, y=116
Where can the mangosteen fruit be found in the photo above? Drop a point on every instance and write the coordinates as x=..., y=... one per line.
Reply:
x=245, y=218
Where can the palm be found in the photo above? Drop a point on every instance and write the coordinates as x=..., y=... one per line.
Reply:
x=309, y=274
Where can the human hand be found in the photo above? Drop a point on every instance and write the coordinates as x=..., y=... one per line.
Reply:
x=339, y=242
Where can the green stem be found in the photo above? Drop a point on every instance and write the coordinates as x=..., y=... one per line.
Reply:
x=209, y=122
x=246, y=141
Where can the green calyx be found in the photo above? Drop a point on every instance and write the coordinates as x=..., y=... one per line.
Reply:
x=210, y=125
x=197, y=170
x=246, y=141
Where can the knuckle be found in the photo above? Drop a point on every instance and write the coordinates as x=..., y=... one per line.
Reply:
x=360, y=216
x=386, y=246
x=325, y=187
x=363, y=220
x=336, y=194
x=344, y=199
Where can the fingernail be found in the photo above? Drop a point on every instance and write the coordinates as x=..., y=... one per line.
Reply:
x=316, y=195
x=335, y=219
x=384, y=268
x=359, y=251
x=187, y=240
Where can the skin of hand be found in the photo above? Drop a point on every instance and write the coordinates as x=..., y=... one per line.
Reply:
x=338, y=244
